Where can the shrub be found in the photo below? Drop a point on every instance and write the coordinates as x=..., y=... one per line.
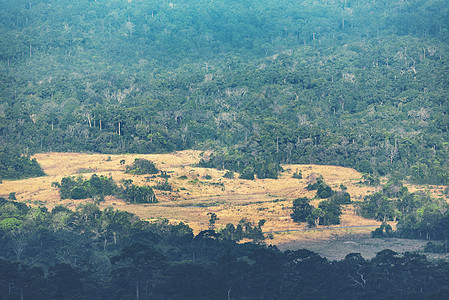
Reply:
x=297, y=174
x=141, y=167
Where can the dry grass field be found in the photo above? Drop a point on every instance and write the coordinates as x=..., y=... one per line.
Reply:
x=194, y=196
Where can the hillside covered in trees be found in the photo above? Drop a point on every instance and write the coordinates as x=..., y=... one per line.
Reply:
x=352, y=83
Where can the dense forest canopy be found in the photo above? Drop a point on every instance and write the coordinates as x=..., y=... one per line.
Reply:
x=352, y=83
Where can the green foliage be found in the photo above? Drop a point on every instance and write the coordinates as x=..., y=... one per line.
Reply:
x=125, y=256
x=229, y=175
x=327, y=213
x=163, y=186
x=384, y=231
x=331, y=213
x=418, y=214
x=431, y=247
x=245, y=229
x=248, y=173
x=99, y=186
x=323, y=191
x=138, y=194
x=370, y=180
x=315, y=216
x=377, y=206
x=315, y=181
x=79, y=188
x=9, y=224
x=79, y=192
x=341, y=198
x=15, y=166
x=297, y=174
x=350, y=84
x=212, y=220
x=142, y=167
x=301, y=209
x=359, y=84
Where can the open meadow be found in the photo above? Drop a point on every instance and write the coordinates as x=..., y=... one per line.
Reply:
x=199, y=191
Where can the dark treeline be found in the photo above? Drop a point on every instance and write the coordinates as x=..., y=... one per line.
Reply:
x=352, y=83
x=94, y=254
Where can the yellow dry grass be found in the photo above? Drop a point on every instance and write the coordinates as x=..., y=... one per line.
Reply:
x=193, y=198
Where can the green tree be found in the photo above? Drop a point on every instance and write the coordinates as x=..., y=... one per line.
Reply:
x=301, y=209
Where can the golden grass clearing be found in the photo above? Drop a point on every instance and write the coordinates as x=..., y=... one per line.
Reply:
x=192, y=198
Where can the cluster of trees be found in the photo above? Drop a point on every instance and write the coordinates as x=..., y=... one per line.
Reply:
x=328, y=211
x=418, y=215
x=80, y=188
x=137, y=194
x=353, y=83
x=245, y=229
x=16, y=166
x=91, y=253
x=99, y=186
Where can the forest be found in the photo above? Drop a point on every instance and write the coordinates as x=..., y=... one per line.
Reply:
x=259, y=83
x=352, y=83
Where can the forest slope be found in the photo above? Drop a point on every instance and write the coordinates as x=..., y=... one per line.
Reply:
x=360, y=84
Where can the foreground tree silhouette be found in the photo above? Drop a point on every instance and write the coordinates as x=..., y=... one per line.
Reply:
x=137, y=271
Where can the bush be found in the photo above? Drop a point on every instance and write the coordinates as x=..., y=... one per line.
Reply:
x=297, y=174
x=141, y=167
